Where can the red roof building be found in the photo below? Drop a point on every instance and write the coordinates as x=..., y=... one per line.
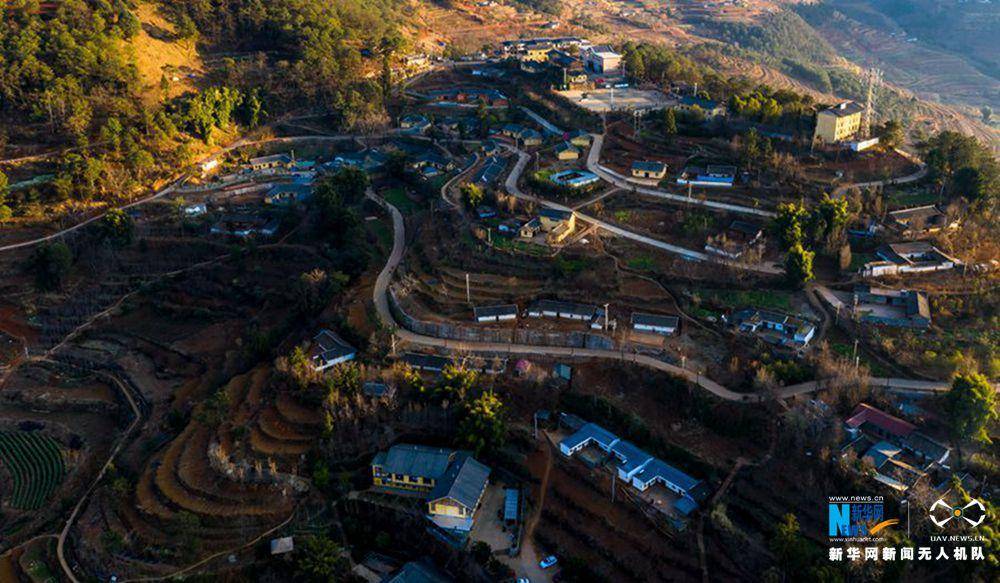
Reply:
x=869, y=418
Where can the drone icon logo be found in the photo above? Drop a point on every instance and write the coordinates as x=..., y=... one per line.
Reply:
x=956, y=512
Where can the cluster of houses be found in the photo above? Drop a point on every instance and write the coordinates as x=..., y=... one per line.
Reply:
x=581, y=64
x=468, y=97
x=908, y=256
x=452, y=482
x=899, y=454
x=596, y=317
x=554, y=226
x=633, y=466
x=773, y=327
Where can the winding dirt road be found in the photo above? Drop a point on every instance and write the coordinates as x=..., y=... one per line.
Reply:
x=380, y=297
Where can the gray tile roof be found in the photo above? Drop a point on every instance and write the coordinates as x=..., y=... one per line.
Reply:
x=844, y=109
x=464, y=481
x=649, y=166
x=655, y=320
x=425, y=361
x=416, y=460
x=329, y=346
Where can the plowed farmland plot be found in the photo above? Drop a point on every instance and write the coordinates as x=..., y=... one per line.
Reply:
x=35, y=465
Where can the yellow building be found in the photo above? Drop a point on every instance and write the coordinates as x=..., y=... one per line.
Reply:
x=453, y=481
x=537, y=53
x=838, y=123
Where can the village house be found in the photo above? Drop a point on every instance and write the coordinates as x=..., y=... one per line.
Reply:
x=900, y=454
x=272, y=162
x=602, y=59
x=499, y=313
x=913, y=257
x=838, y=123
x=709, y=108
x=920, y=220
x=425, y=362
x=579, y=138
x=538, y=53
x=328, y=350
x=529, y=229
x=736, y=240
x=566, y=151
x=288, y=194
x=530, y=137
x=649, y=169
x=655, y=323
x=490, y=171
x=774, y=327
x=370, y=160
x=431, y=159
x=890, y=307
x=557, y=224
x=414, y=123
x=452, y=481
x=712, y=175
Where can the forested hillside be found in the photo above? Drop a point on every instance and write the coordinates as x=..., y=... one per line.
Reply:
x=69, y=77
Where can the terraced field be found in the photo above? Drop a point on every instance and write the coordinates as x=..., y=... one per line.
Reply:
x=35, y=465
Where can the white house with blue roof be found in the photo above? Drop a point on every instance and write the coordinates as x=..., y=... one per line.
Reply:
x=635, y=466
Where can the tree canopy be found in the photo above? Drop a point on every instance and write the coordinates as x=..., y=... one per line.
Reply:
x=971, y=406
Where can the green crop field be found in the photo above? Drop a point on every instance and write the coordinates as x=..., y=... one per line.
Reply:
x=36, y=467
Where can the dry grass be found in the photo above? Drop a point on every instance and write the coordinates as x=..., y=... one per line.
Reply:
x=270, y=447
x=295, y=412
x=158, y=54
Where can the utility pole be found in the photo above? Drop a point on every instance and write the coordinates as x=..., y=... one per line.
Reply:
x=607, y=315
x=468, y=292
x=534, y=417
x=614, y=481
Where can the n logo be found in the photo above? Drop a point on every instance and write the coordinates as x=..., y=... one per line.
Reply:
x=840, y=519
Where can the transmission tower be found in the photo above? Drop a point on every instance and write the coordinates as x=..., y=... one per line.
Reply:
x=874, y=77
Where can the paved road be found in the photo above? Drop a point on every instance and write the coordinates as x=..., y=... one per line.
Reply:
x=594, y=165
x=512, y=187
x=381, y=299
